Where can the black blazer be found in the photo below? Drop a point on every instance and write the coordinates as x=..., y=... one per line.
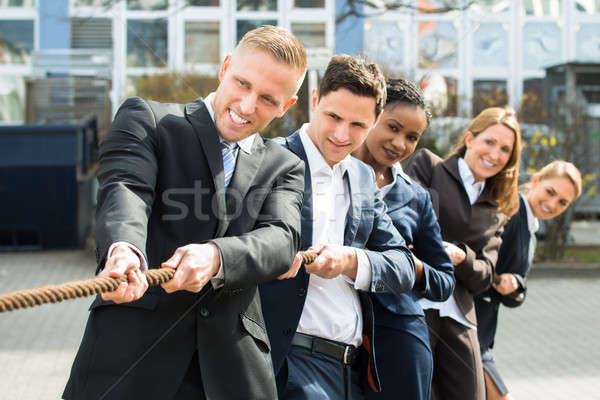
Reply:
x=513, y=259
x=367, y=227
x=161, y=187
x=476, y=228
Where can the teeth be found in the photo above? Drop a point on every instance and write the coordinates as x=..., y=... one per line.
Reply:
x=392, y=153
x=487, y=163
x=236, y=118
x=544, y=209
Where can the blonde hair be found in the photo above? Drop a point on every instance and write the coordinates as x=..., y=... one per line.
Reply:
x=504, y=185
x=562, y=169
x=278, y=42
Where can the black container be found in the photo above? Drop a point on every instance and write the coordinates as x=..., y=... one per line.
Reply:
x=47, y=175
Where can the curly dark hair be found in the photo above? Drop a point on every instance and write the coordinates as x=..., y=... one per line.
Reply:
x=406, y=92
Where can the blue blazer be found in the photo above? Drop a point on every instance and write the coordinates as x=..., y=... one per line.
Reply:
x=367, y=227
x=411, y=211
x=513, y=258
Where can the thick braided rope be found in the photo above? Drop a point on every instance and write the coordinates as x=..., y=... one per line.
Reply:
x=71, y=290
x=308, y=257
x=74, y=289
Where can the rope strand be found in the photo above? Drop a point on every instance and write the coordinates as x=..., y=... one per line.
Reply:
x=103, y=284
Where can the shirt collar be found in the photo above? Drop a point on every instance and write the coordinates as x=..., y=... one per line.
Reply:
x=245, y=144
x=316, y=161
x=398, y=170
x=467, y=177
x=532, y=222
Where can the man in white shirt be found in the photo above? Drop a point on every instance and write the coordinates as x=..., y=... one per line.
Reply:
x=318, y=316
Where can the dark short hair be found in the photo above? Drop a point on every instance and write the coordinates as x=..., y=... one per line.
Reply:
x=403, y=91
x=356, y=75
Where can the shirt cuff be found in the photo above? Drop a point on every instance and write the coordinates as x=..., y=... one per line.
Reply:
x=363, y=272
x=143, y=262
x=218, y=281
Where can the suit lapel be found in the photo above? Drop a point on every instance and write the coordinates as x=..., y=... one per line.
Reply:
x=354, y=211
x=208, y=136
x=246, y=168
x=294, y=143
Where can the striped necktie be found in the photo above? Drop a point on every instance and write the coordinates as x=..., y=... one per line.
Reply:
x=228, y=151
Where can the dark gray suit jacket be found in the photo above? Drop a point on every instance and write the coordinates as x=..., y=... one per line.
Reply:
x=161, y=187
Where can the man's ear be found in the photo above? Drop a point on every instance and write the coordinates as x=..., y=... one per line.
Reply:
x=314, y=100
x=287, y=105
x=224, y=67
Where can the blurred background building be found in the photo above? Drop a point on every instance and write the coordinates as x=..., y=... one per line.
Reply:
x=64, y=59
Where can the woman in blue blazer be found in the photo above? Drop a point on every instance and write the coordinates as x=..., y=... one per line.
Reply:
x=404, y=358
x=550, y=192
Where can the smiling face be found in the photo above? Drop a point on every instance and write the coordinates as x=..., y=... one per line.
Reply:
x=340, y=123
x=488, y=153
x=254, y=88
x=550, y=196
x=396, y=134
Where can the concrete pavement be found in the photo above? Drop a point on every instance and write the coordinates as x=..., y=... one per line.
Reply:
x=547, y=349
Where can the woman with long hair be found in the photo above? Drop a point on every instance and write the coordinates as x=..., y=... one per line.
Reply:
x=549, y=193
x=474, y=190
x=404, y=360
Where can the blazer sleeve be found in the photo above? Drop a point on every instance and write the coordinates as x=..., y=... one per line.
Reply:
x=477, y=270
x=127, y=178
x=392, y=265
x=513, y=258
x=268, y=250
x=438, y=271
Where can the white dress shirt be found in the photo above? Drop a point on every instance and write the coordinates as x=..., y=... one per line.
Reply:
x=246, y=146
x=449, y=308
x=533, y=225
x=332, y=308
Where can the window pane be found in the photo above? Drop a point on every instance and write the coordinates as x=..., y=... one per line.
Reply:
x=91, y=33
x=311, y=35
x=437, y=45
x=588, y=42
x=440, y=95
x=384, y=43
x=490, y=46
x=202, y=42
x=12, y=99
x=244, y=26
x=203, y=3
x=147, y=4
x=437, y=6
x=89, y=3
x=309, y=3
x=17, y=3
x=541, y=44
x=540, y=8
x=146, y=43
x=532, y=104
x=491, y=6
x=588, y=6
x=257, y=5
x=488, y=93
x=16, y=41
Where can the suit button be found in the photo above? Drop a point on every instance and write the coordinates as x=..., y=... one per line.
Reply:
x=379, y=287
x=287, y=331
x=204, y=312
x=301, y=292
